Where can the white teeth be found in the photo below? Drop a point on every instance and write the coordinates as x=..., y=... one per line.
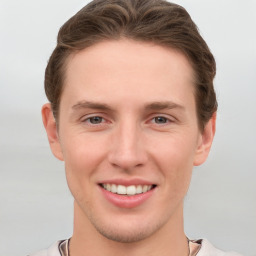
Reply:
x=139, y=189
x=113, y=188
x=121, y=190
x=129, y=190
x=108, y=187
x=144, y=188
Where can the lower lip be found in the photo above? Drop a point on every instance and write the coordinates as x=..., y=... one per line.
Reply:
x=124, y=201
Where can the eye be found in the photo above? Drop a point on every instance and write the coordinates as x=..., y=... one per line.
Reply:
x=160, y=120
x=94, y=120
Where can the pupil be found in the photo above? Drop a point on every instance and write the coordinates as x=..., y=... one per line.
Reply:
x=96, y=120
x=160, y=120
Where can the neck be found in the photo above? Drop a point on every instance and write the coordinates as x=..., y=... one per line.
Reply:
x=169, y=240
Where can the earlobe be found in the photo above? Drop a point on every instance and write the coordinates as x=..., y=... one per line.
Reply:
x=205, y=141
x=51, y=130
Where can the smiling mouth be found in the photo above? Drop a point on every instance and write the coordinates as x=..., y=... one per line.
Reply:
x=127, y=190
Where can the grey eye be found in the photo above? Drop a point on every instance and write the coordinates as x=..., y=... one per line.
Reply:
x=160, y=120
x=95, y=120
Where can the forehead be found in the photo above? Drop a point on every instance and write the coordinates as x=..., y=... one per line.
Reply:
x=133, y=70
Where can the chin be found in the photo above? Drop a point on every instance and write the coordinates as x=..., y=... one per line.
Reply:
x=125, y=235
x=127, y=230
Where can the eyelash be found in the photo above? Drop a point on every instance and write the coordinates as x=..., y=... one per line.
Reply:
x=102, y=120
x=89, y=120
x=165, y=119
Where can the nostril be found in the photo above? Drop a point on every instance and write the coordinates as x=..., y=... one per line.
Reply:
x=127, y=161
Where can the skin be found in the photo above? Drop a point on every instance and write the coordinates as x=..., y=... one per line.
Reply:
x=142, y=96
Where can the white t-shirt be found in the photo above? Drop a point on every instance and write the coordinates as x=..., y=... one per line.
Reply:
x=200, y=247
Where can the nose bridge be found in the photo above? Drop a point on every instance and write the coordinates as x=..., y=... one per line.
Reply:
x=127, y=150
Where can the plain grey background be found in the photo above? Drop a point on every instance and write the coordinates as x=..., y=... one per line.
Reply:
x=35, y=204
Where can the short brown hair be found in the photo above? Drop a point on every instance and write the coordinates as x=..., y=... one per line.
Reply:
x=155, y=21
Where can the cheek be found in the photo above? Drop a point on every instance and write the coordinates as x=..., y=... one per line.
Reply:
x=81, y=151
x=82, y=156
x=175, y=160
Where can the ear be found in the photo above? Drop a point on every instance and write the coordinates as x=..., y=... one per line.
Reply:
x=205, y=141
x=51, y=130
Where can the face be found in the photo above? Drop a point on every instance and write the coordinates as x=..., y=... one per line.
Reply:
x=129, y=136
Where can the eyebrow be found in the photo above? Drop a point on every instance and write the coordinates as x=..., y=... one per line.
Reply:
x=89, y=104
x=163, y=105
x=158, y=105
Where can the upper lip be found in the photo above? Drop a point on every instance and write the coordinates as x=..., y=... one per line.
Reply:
x=127, y=182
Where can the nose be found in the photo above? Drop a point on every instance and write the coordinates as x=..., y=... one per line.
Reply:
x=127, y=149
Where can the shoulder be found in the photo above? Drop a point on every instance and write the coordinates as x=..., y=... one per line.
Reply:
x=207, y=249
x=51, y=251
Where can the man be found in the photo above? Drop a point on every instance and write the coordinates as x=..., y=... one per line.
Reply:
x=132, y=110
